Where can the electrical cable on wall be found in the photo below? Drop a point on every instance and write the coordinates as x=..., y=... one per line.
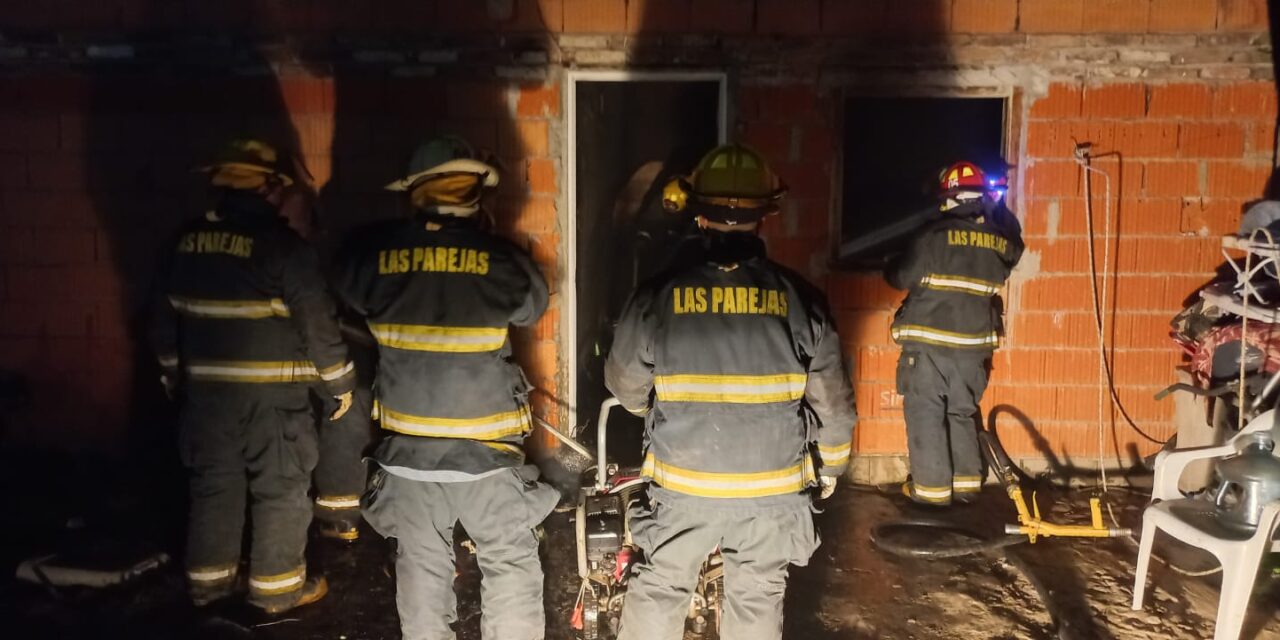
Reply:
x=1083, y=156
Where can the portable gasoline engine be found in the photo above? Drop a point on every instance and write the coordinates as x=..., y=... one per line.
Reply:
x=606, y=553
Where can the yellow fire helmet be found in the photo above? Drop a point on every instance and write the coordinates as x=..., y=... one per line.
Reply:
x=732, y=184
x=246, y=163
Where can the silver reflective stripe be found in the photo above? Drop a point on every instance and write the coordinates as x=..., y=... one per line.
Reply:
x=491, y=427
x=932, y=493
x=209, y=575
x=338, y=502
x=414, y=337
x=277, y=585
x=330, y=376
x=966, y=285
x=730, y=388
x=252, y=371
x=966, y=484
x=931, y=335
x=242, y=309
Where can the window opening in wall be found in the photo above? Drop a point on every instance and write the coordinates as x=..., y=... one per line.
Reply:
x=894, y=148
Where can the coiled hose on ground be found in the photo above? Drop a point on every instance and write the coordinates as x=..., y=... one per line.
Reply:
x=882, y=538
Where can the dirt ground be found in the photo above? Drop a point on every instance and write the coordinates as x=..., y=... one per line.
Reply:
x=849, y=591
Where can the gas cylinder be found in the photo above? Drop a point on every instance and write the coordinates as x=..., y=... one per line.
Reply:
x=1249, y=480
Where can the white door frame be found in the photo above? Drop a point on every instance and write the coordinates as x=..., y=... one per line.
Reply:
x=569, y=319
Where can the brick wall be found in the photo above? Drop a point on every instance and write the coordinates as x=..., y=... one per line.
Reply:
x=103, y=111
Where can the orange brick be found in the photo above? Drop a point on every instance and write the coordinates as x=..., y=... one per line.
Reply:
x=1151, y=215
x=788, y=17
x=1180, y=100
x=1243, y=15
x=535, y=215
x=1172, y=179
x=984, y=16
x=1237, y=180
x=1245, y=100
x=658, y=16
x=1116, y=100
x=1062, y=101
x=1047, y=178
x=1051, y=16
x=542, y=176
x=1116, y=16
x=1262, y=138
x=841, y=17
x=536, y=100
x=1185, y=16
x=916, y=17
x=855, y=290
x=1052, y=293
x=304, y=94
x=859, y=328
x=722, y=16
x=1211, y=140
x=595, y=16
x=526, y=138
x=1218, y=216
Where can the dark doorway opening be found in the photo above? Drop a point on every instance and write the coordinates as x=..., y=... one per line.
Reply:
x=631, y=138
x=894, y=149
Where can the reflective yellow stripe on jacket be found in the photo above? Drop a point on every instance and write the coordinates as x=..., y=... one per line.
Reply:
x=834, y=456
x=929, y=335
x=252, y=371
x=498, y=425
x=421, y=337
x=709, y=484
x=227, y=309
x=738, y=389
x=960, y=284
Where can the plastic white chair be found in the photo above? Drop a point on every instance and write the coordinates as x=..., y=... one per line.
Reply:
x=1194, y=523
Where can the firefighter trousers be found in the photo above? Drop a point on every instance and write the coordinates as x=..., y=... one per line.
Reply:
x=341, y=474
x=251, y=444
x=677, y=534
x=499, y=513
x=941, y=393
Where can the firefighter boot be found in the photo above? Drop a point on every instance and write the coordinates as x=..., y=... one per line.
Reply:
x=339, y=530
x=312, y=591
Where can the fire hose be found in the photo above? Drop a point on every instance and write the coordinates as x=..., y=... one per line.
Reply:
x=1027, y=531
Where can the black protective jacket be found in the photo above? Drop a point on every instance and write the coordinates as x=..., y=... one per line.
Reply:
x=439, y=304
x=952, y=272
x=737, y=366
x=244, y=301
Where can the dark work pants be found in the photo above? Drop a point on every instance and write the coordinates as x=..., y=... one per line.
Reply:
x=941, y=391
x=677, y=535
x=251, y=444
x=500, y=513
x=341, y=474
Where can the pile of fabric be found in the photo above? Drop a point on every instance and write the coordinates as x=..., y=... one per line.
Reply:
x=1240, y=309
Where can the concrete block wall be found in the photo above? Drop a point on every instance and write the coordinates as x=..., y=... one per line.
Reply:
x=103, y=111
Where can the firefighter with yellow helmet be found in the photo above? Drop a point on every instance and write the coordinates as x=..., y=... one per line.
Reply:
x=948, y=326
x=439, y=293
x=736, y=366
x=242, y=326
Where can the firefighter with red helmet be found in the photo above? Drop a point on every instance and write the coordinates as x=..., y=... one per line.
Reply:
x=948, y=326
x=439, y=293
x=735, y=364
x=245, y=323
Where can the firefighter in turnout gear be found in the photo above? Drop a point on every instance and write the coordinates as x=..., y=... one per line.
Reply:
x=242, y=326
x=341, y=473
x=948, y=327
x=439, y=293
x=736, y=366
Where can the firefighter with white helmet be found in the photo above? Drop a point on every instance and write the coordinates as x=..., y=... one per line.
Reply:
x=439, y=292
x=948, y=326
x=243, y=325
x=736, y=366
